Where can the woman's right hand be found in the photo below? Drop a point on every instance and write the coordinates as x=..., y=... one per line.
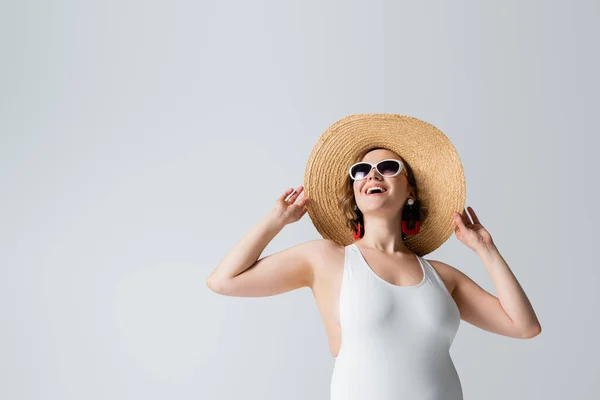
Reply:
x=290, y=210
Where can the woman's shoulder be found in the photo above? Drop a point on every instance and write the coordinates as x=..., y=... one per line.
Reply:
x=324, y=252
x=447, y=272
x=324, y=247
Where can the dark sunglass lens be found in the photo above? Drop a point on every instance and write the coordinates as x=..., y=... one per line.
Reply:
x=388, y=167
x=359, y=171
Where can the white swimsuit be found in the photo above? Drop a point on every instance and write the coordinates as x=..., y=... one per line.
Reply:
x=395, y=339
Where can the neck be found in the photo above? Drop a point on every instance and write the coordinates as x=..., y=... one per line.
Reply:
x=383, y=233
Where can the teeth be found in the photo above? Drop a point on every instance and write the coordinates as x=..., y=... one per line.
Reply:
x=375, y=187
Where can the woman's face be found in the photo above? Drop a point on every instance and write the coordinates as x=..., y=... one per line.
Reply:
x=396, y=187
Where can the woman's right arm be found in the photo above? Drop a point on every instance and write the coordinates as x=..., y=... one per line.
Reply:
x=240, y=273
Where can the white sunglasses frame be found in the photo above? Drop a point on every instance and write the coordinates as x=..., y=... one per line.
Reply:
x=401, y=169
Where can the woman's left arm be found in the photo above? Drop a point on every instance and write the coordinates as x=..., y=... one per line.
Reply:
x=510, y=313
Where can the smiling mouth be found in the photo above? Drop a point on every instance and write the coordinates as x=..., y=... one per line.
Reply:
x=375, y=193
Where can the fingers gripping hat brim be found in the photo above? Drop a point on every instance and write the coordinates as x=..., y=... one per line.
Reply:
x=433, y=159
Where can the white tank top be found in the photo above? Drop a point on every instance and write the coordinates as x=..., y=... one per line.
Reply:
x=395, y=339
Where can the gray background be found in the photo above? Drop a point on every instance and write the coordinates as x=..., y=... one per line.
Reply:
x=141, y=140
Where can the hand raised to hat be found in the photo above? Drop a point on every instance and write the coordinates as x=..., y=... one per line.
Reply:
x=292, y=209
x=471, y=233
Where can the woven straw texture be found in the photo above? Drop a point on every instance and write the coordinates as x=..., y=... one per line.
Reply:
x=434, y=161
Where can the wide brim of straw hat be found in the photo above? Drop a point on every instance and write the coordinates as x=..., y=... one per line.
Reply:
x=434, y=161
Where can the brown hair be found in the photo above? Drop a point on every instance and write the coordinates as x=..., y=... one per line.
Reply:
x=347, y=202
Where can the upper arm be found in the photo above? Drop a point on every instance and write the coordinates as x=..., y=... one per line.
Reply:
x=286, y=270
x=476, y=305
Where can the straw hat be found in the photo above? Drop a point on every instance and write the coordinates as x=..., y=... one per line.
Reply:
x=433, y=159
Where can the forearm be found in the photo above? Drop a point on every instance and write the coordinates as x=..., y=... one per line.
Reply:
x=246, y=251
x=510, y=293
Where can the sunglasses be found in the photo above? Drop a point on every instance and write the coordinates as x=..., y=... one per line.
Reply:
x=388, y=168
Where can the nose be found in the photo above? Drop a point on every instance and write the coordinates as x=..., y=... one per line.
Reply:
x=373, y=173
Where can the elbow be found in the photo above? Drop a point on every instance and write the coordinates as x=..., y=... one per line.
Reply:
x=533, y=332
x=214, y=285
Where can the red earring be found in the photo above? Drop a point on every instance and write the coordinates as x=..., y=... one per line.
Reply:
x=411, y=212
x=357, y=233
x=411, y=231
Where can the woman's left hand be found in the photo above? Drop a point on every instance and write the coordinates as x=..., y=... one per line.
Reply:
x=471, y=233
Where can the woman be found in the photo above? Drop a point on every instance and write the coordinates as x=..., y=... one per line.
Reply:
x=390, y=315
